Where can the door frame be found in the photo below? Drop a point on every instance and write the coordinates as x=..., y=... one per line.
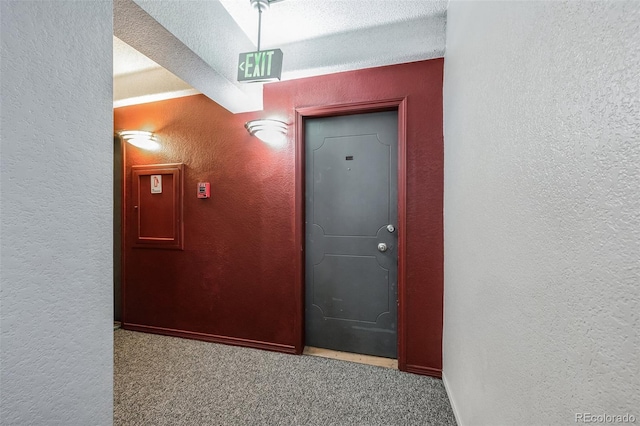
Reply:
x=395, y=104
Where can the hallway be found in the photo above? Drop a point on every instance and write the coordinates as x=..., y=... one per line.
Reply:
x=164, y=380
x=522, y=219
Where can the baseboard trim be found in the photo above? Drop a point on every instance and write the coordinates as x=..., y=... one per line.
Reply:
x=213, y=338
x=452, y=401
x=423, y=371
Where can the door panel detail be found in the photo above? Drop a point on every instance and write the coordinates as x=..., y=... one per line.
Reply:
x=365, y=300
x=358, y=188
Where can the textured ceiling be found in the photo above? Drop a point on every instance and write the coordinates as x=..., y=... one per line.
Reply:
x=199, y=40
x=127, y=60
x=138, y=79
x=291, y=21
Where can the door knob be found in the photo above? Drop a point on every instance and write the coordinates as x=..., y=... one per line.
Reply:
x=382, y=247
x=391, y=228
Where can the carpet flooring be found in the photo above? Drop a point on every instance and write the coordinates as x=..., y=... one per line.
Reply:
x=160, y=380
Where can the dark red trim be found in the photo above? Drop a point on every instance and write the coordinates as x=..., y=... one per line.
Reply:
x=247, y=343
x=123, y=232
x=402, y=233
x=299, y=231
x=400, y=105
x=424, y=371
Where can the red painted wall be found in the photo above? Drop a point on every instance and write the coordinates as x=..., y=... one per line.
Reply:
x=235, y=279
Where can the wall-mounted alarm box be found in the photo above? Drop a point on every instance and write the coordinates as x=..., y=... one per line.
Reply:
x=204, y=190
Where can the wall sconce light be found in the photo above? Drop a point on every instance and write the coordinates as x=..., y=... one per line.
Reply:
x=140, y=138
x=270, y=131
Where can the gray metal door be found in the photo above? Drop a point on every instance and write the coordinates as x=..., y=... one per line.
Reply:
x=351, y=251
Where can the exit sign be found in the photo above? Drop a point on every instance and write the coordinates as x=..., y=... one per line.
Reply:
x=264, y=65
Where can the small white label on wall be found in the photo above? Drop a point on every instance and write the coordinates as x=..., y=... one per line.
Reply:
x=156, y=184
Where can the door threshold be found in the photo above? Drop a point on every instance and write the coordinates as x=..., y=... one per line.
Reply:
x=351, y=357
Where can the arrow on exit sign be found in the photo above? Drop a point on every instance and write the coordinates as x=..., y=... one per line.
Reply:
x=264, y=65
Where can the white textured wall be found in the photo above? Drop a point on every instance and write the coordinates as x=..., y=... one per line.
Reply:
x=56, y=290
x=542, y=210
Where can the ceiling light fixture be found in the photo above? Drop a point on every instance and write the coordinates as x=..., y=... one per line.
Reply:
x=140, y=138
x=270, y=131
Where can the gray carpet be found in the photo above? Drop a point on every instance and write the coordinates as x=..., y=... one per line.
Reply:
x=161, y=380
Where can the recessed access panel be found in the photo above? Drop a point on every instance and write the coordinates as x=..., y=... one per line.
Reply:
x=157, y=194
